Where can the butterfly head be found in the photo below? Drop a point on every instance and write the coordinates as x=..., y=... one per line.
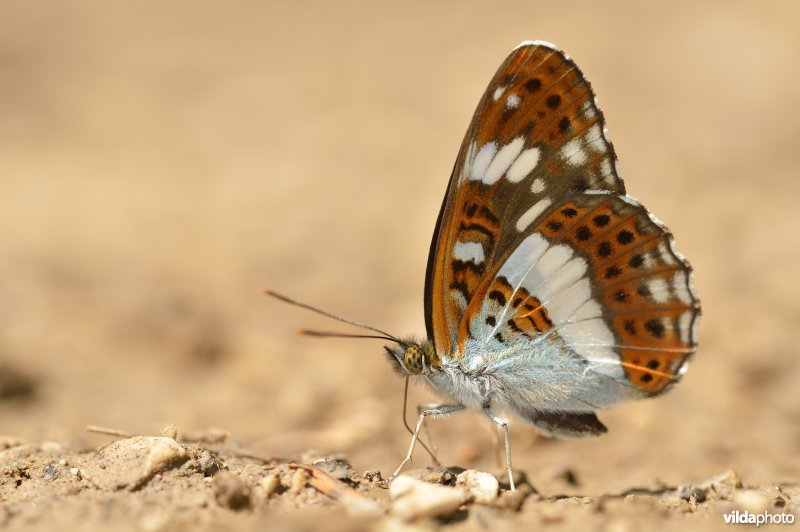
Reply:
x=413, y=358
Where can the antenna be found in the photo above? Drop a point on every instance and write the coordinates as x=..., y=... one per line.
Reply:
x=384, y=334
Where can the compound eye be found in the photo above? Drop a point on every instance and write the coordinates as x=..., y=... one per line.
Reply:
x=413, y=360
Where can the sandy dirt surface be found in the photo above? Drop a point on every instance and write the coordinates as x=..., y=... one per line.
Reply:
x=161, y=162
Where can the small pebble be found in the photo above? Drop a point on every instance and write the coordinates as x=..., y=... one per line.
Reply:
x=270, y=484
x=230, y=491
x=750, y=500
x=337, y=468
x=413, y=499
x=480, y=487
x=432, y=475
x=170, y=431
x=688, y=492
x=163, y=452
x=513, y=500
x=373, y=475
x=729, y=479
x=299, y=480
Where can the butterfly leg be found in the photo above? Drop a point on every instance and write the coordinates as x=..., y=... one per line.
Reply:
x=427, y=430
x=503, y=424
x=434, y=410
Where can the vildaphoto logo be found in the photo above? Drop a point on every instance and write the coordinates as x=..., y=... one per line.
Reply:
x=749, y=518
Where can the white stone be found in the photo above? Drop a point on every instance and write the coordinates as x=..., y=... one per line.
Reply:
x=413, y=499
x=480, y=487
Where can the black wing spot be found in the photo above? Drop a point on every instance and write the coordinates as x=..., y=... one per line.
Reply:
x=583, y=233
x=489, y=215
x=490, y=321
x=630, y=327
x=554, y=225
x=636, y=261
x=533, y=323
x=653, y=364
x=613, y=272
x=471, y=210
x=462, y=287
x=516, y=302
x=462, y=266
x=604, y=249
x=498, y=296
x=569, y=212
x=655, y=327
x=479, y=228
x=625, y=237
x=533, y=85
x=646, y=377
x=553, y=101
x=601, y=220
x=620, y=295
x=507, y=112
x=499, y=338
x=564, y=124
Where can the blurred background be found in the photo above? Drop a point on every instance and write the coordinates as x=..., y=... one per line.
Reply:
x=161, y=162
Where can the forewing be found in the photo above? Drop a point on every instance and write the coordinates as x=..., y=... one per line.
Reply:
x=537, y=136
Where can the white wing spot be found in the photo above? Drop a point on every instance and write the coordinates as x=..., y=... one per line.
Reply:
x=468, y=251
x=549, y=263
x=459, y=299
x=573, y=152
x=468, y=159
x=498, y=92
x=591, y=339
x=590, y=309
x=594, y=138
x=482, y=160
x=512, y=102
x=649, y=261
x=588, y=110
x=685, y=326
x=524, y=165
x=605, y=171
x=679, y=287
x=533, y=213
x=659, y=290
x=537, y=185
x=666, y=254
x=565, y=304
x=526, y=255
x=567, y=275
x=503, y=160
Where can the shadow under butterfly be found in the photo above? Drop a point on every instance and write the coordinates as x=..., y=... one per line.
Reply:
x=549, y=291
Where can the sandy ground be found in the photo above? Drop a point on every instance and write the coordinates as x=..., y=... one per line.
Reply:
x=162, y=162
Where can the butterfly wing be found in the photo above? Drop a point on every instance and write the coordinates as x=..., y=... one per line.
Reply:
x=538, y=252
x=536, y=135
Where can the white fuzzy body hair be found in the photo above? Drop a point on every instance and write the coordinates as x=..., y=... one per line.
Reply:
x=546, y=376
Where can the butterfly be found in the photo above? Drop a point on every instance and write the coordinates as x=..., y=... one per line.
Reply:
x=549, y=292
